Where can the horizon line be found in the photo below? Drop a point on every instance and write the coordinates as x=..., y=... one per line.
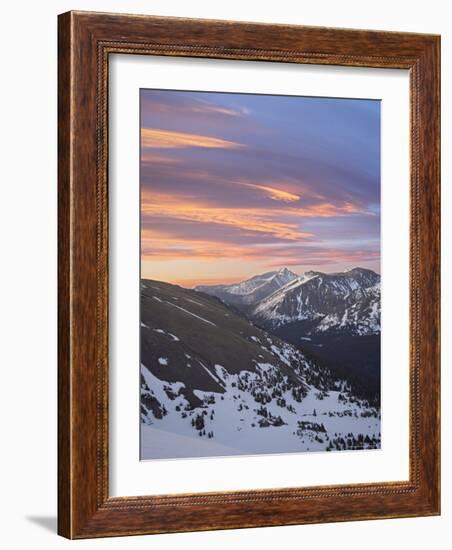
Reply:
x=235, y=280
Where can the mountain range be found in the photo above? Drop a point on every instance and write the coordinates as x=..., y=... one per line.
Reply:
x=347, y=302
x=334, y=318
x=215, y=382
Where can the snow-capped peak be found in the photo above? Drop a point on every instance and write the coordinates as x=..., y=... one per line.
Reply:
x=251, y=290
x=347, y=301
x=285, y=276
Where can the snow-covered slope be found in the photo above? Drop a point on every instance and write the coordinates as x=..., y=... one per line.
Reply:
x=214, y=384
x=252, y=290
x=340, y=302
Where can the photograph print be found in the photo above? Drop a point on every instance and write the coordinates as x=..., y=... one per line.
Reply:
x=260, y=274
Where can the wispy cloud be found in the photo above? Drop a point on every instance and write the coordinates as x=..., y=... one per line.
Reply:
x=186, y=104
x=159, y=247
x=246, y=219
x=206, y=107
x=167, y=139
x=152, y=158
x=273, y=192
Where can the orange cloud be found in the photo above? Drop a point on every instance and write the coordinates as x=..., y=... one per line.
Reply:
x=277, y=231
x=248, y=219
x=280, y=222
x=162, y=159
x=159, y=247
x=166, y=139
x=197, y=106
x=326, y=210
x=273, y=192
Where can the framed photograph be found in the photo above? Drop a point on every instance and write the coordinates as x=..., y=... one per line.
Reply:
x=248, y=275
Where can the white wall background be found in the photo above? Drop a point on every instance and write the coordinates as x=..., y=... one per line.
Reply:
x=28, y=270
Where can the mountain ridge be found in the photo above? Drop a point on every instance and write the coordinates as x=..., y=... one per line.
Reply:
x=248, y=292
x=347, y=301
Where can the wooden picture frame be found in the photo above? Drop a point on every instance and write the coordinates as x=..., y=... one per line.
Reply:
x=85, y=508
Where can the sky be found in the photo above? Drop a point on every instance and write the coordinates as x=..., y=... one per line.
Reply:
x=233, y=185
